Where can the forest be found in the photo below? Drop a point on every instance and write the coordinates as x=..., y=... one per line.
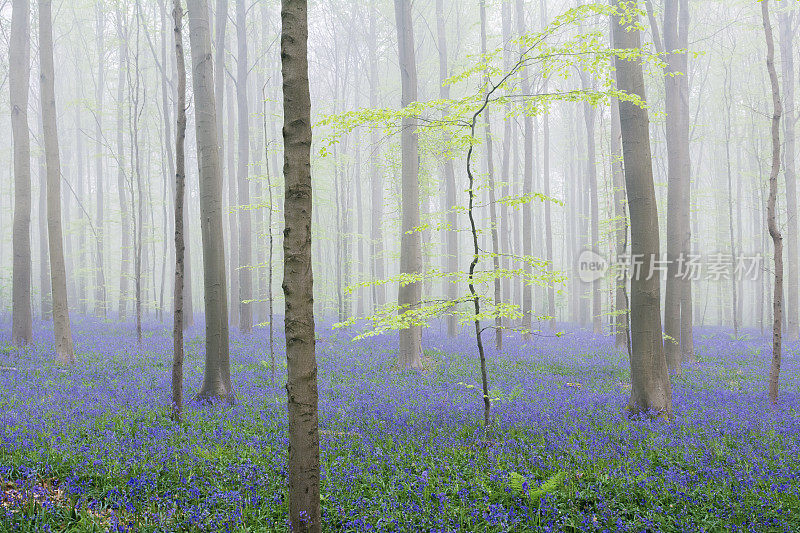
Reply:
x=399, y=265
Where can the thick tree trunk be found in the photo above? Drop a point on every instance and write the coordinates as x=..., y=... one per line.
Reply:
x=19, y=83
x=785, y=23
x=301, y=386
x=410, y=294
x=651, y=391
x=774, y=231
x=65, y=353
x=243, y=160
x=216, y=377
x=180, y=182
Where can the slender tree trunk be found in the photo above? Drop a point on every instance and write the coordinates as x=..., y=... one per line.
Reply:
x=19, y=83
x=233, y=208
x=527, y=181
x=498, y=323
x=301, y=386
x=774, y=232
x=785, y=26
x=216, y=377
x=506, y=172
x=180, y=182
x=270, y=209
x=65, y=353
x=410, y=294
x=376, y=178
x=651, y=391
x=245, y=247
x=44, y=248
x=548, y=226
x=100, y=296
x=450, y=240
x=729, y=172
x=124, y=269
x=621, y=234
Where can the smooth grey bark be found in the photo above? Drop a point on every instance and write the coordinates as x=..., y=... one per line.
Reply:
x=450, y=240
x=232, y=185
x=65, y=350
x=245, y=274
x=527, y=179
x=409, y=294
x=301, y=385
x=216, y=376
x=376, y=175
x=786, y=29
x=180, y=183
x=651, y=390
x=729, y=172
x=19, y=82
x=774, y=231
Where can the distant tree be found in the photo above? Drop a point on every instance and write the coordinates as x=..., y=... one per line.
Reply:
x=298, y=280
x=217, y=375
x=774, y=231
x=245, y=295
x=180, y=183
x=100, y=300
x=65, y=351
x=651, y=390
x=410, y=293
x=787, y=28
x=19, y=83
x=450, y=241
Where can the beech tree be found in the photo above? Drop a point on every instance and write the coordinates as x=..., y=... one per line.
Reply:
x=772, y=222
x=19, y=83
x=298, y=279
x=410, y=292
x=651, y=390
x=65, y=350
x=216, y=376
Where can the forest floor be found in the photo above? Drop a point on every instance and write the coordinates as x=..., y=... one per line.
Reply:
x=91, y=448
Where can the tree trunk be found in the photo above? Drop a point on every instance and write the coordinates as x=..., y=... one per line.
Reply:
x=498, y=322
x=651, y=391
x=44, y=248
x=548, y=226
x=65, y=353
x=621, y=234
x=774, y=232
x=729, y=172
x=19, y=83
x=785, y=23
x=527, y=181
x=376, y=178
x=245, y=247
x=301, y=386
x=180, y=182
x=410, y=294
x=124, y=267
x=450, y=240
x=100, y=297
x=216, y=377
